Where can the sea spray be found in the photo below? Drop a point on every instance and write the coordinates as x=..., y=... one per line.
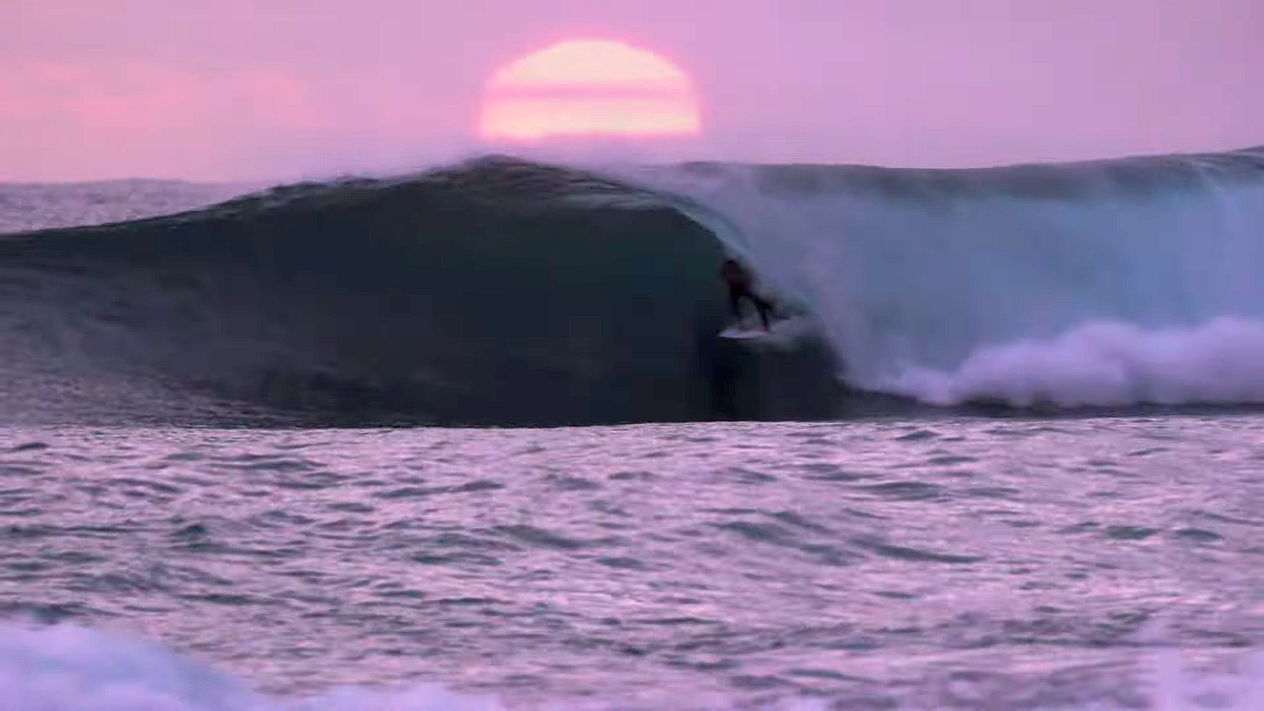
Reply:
x=952, y=285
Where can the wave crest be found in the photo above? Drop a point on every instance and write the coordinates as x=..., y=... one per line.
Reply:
x=501, y=291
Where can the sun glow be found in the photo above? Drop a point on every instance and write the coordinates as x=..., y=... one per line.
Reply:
x=589, y=88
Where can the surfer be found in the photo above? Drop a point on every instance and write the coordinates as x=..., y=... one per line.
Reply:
x=739, y=283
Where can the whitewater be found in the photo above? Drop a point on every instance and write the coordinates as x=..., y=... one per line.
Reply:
x=1098, y=283
x=466, y=438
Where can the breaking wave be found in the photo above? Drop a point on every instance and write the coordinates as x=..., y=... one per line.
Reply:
x=502, y=291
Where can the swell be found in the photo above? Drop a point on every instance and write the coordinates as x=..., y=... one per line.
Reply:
x=494, y=292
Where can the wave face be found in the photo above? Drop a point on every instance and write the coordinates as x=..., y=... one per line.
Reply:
x=502, y=291
x=1100, y=283
x=494, y=292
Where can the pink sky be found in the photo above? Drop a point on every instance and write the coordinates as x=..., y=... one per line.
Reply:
x=257, y=89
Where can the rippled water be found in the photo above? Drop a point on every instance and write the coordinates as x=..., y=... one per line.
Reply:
x=964, y=563
x=36, y=206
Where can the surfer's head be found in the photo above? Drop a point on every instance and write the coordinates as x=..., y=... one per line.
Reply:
x=733, y=272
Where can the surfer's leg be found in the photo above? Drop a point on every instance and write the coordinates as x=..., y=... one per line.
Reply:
x=735, y=305
x=764, y=308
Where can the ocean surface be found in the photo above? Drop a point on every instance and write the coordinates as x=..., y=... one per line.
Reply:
x=466, y=438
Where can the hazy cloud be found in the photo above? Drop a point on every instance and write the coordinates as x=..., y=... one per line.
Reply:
x=256, y=88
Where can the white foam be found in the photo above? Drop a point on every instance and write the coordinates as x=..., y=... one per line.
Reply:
x=68, y=668
x=1103, y=283
x=1103, y=364
x=1169, y=686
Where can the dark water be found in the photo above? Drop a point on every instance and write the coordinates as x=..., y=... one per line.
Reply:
x=934, y=564
x=473, y=296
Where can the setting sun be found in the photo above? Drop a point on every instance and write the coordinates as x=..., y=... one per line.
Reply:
x=589, y=88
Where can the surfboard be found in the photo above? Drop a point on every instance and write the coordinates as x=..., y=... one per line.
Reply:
x=739, y=332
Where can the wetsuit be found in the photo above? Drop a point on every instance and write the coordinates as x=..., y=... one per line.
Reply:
x=739, y=285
